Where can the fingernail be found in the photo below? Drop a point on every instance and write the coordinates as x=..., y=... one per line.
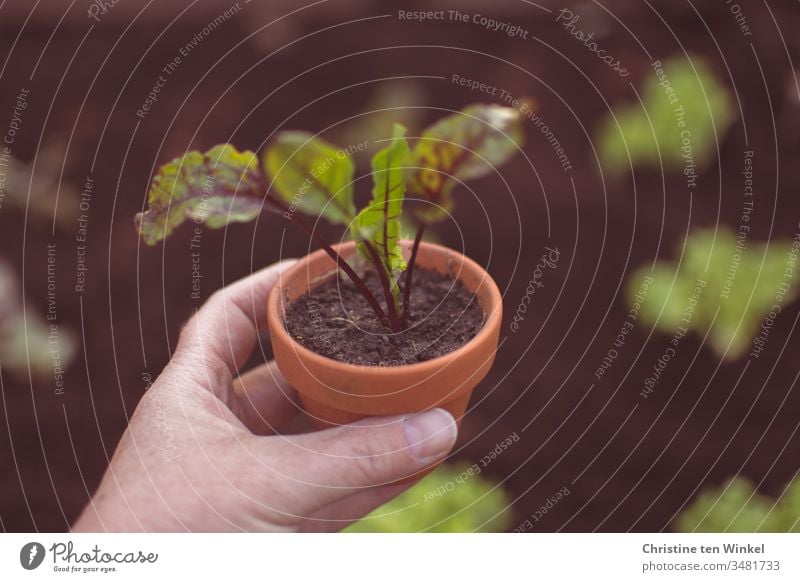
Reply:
x=430, y=434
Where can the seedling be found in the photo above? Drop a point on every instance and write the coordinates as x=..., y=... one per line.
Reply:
x=450, y=500
x=736, y=507
x=744, y=285
x=31, y=345
x=301, y=174
x=684, y=112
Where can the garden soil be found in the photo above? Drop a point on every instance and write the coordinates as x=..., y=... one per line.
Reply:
x=565, y=240
x=335, y=321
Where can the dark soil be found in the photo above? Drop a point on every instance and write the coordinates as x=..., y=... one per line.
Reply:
x=628, y=464
x=335, y=320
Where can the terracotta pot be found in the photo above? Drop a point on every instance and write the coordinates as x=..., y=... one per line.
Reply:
x=333, y=392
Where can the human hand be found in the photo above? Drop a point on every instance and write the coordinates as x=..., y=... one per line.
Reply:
x=196, y=457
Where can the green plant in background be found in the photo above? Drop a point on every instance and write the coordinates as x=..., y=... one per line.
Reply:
x=680, y=90
x=32, y=345
x=747, y=282
x=736, y=507
x=452, y=499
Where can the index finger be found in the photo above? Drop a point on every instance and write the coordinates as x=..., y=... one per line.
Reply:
x=220, y=337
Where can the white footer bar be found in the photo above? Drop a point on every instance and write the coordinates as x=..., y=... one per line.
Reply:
x=355, y=557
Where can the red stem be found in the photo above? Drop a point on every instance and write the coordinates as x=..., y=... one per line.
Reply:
x=340, y=262
x=394, y=319
x=410, y=273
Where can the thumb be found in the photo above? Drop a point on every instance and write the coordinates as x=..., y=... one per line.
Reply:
x=329, y=465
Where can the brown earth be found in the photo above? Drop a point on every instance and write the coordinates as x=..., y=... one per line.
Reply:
x=335, y=320
x=630, y=464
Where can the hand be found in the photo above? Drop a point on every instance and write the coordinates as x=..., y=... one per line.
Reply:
x=195, y=457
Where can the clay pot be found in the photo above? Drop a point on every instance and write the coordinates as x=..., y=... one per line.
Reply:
x=334, y=393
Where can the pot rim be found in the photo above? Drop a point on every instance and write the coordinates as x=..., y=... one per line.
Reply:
x=492, y=316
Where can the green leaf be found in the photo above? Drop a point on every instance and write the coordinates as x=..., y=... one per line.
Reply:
x=743, y=280
x=452, y=499
x=463, y=146
x=214, y=188
x=379, y=222
x=707, y=114
x=312, y=176
x=26, y=335
x=737, y=507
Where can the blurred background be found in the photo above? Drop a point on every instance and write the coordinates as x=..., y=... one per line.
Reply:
x=663, y=152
